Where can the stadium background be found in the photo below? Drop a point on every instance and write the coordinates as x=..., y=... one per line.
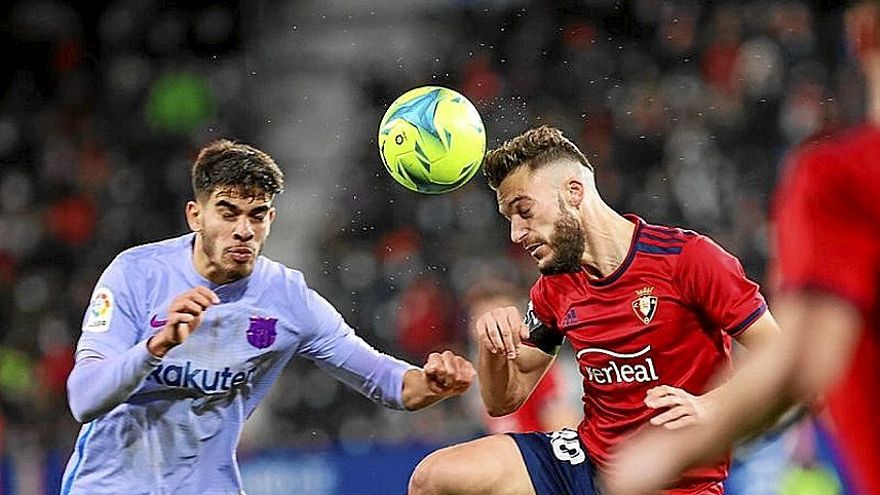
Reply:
x=685, y=108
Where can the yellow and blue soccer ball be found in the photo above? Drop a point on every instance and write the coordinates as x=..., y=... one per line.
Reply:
x=432, y=140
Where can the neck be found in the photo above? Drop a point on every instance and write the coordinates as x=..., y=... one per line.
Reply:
x=608, y=238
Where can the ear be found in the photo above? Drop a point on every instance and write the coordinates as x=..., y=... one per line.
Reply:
x=574, y=192
x=194, y=215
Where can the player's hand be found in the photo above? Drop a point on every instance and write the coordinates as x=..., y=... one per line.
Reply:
x=682, y=408
x=501, y=330
x=184, y=317
x=444, y=375
x=448, y=373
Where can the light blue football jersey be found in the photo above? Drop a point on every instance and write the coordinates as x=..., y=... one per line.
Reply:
x=171, y=425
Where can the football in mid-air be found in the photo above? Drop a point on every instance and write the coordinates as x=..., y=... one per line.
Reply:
x=432, y=140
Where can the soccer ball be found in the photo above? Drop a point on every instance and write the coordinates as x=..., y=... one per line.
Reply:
x=432, y=140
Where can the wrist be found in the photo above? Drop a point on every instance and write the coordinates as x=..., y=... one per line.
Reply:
x=708, y=406
x=494, y=360
x=159, y=346
x=417, y=392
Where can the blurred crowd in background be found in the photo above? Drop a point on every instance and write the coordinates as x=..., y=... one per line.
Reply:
x=685, y=109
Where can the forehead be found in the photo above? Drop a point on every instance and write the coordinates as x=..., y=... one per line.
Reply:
x=521, y=184
x=240, y=196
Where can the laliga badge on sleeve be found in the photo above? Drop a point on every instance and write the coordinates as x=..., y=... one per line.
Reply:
x=100, y=311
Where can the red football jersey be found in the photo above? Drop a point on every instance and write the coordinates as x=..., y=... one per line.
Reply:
x=664, y=317
x=828, y=232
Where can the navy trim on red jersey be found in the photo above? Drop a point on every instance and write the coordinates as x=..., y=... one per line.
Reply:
x=629, y=255
x=656, y=238
x=666, y=234
x=733, y=332
x=651, y=249
x=672, y=231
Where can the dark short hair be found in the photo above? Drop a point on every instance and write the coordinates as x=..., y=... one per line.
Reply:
x=535, y=147
x=226, y=164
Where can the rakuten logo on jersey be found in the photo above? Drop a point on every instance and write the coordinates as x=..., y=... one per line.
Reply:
x=208, y=381
x=622, y=368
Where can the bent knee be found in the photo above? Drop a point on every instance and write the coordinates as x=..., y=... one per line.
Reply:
x=430, y=475
x=488, y=465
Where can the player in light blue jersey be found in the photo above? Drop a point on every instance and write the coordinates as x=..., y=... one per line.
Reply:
x=184, y=337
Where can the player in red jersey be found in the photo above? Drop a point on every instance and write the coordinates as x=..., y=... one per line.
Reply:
x=828, y=237
x=650, y=312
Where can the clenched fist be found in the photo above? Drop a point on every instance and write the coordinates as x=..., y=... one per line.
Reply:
x=448, y=373
x=444, y=375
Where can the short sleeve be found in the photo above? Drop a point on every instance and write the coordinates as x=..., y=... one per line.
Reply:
x=825, y=241
x=714, y=281
x=110, y=324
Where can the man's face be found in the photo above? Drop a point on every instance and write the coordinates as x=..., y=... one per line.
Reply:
x=231, y=228
x=540, y=221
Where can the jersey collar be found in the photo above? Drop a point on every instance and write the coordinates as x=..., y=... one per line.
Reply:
x=630, y=255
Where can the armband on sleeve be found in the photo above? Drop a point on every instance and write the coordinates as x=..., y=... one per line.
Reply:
x=541, y=335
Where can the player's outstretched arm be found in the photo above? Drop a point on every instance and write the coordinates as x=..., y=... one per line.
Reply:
x=508, y=370
x=100, y=382
x=444, y=375
x=811, y=353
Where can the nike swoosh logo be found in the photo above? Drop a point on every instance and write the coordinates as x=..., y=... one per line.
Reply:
x=155, y=323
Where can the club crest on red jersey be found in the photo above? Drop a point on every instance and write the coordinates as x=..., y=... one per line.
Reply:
x=645, y=306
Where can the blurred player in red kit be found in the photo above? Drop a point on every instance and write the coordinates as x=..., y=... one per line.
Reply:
x=649, y=311
x=827, y=212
